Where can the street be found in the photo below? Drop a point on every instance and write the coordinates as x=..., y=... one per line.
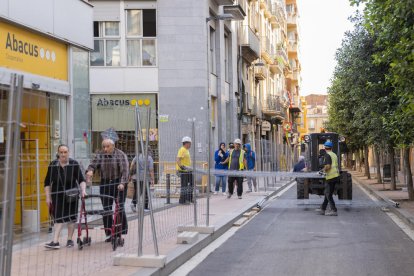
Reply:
x=289, y=238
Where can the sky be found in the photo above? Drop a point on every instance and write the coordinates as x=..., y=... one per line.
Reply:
x=322, y=27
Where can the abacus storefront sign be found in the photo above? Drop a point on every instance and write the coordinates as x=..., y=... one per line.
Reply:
x=117, y=110
x=29, y=52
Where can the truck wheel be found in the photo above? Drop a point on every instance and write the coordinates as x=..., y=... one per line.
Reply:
x=300, y=186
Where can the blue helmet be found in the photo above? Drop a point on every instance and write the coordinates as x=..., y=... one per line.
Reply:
x=328, y=144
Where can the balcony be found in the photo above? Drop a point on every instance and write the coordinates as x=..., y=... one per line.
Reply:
x=272, y=106
x=268, y=49
x=238, y=11
x=281, y=51
x=250, y=44
x=293, y=47
x=260, y=72
x=292, y=19
x=224, y=2
x=278, y=14
x=266, y=5
x=277, y=66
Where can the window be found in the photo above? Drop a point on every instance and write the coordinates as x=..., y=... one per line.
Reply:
x=106, y=50
x=212, y=51
x=141, y=33
x=227, y=54
x=312, y=124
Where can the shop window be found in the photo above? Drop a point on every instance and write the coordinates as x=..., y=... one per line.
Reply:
x=106, y=50
x=141, y=33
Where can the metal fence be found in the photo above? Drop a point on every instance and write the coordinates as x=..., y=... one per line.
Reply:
x=28, y=147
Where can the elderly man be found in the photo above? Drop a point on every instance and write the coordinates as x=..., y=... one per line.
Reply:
x=114, y=171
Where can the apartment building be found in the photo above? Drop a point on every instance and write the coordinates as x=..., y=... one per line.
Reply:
x=179, y=58
x=317, y=112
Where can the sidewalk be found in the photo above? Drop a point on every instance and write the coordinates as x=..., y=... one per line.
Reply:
x=31, y=258
x=406, y=208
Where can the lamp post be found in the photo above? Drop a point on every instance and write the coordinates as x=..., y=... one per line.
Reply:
x=224, y=17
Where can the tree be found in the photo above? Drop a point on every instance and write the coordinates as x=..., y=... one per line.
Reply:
x=392, y=22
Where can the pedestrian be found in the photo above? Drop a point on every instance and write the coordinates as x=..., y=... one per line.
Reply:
x=236, y=162
x=251, y=164
x=331, y=169
x=63, y=174
x=150, y=175
x=114, y=171
x=183, y=166
x=220, y=156
x=300, y=166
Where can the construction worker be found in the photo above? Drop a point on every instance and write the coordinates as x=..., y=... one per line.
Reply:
x=183, y=166
x=331, y=168
x=236, y=162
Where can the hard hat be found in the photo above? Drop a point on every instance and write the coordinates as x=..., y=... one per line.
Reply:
x=186, y=139
x=328, y=144
x=238, y=141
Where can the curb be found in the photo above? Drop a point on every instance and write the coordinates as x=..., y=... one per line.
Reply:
x=183, y=253
x=402, y=214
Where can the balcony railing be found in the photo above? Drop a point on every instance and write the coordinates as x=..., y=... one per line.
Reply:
x=260, y=72
x=292, y=18
x=281, y=51
x=272, y=105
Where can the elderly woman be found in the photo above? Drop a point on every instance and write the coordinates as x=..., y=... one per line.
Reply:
x=63, y=174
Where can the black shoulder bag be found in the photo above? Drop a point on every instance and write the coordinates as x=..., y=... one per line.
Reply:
x=71, y=195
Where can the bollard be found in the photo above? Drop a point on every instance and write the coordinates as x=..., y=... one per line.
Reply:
x=168, y=187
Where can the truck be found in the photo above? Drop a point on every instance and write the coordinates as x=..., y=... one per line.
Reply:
x=310, y=149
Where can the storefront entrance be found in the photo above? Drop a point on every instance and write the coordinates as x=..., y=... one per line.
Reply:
x=43, y=127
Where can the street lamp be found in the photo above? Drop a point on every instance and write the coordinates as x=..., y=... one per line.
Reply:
x=223, y=17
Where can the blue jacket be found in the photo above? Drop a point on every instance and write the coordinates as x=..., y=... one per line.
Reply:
x=250, y=157
x=219, y=159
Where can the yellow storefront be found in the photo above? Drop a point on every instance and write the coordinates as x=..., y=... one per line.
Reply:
x=44, y=112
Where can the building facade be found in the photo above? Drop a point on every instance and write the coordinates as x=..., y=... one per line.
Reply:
x=317, y=112
x=53, y=58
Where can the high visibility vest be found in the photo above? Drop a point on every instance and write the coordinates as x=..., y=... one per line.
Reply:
x=333, y=172
x=241, y=159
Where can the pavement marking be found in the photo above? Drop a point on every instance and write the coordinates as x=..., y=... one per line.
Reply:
x=279, y=194
x=187, y=267
x=399, y=222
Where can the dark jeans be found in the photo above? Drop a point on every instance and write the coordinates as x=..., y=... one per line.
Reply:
x=239, y=181
x=110, y=188
x=141, y=188
x=187, y=186
x=329, y=190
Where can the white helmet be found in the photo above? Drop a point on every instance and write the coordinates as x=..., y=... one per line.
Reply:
x=186, y=139
x=238, y=141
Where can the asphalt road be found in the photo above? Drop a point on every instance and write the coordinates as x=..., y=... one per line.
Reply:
x=289, y=238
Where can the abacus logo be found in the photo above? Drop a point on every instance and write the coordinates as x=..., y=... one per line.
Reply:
x=21, y=46
x=103, y=102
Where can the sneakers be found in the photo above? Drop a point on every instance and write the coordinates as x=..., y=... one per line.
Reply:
x=320, y=211
x=224, y=193
x=249, y=191
x=215, y=193
x=52, y=245
x=331, y=213
x=133, y=208
x=239, y=197
x=70, y=243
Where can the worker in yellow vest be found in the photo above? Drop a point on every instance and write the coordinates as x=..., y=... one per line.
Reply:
x=236, y=162
x=331, y=168
x=184, y=170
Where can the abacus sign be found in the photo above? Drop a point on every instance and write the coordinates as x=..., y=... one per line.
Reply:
x=29, y=52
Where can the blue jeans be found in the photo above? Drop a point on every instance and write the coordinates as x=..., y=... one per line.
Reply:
x=221, y=179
